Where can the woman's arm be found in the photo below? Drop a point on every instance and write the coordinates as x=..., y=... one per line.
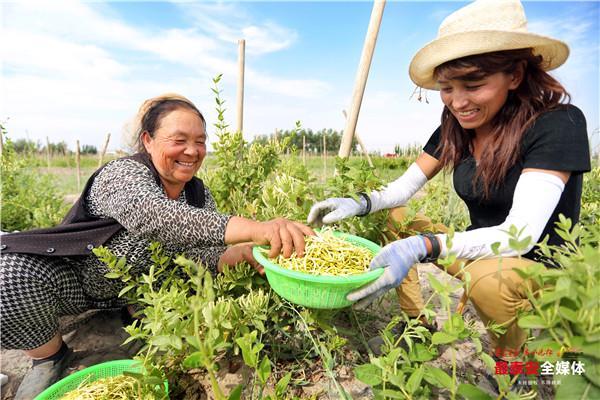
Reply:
x=536, y=196
x=402, y=189
x=126, y=191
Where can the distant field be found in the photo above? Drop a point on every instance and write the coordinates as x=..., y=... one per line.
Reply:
x=65, y=173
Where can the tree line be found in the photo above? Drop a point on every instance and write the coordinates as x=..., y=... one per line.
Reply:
x=312, y=139
x=28, y=146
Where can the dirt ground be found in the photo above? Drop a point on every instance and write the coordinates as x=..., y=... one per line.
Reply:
x=98, y=334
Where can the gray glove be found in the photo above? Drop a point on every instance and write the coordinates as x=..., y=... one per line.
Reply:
x=335, y=209
x=397, y=258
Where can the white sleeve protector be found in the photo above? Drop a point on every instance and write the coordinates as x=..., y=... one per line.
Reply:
x=535, y=198
x=399, y=191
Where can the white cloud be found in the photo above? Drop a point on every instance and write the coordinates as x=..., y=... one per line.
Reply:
x=76, y=70
x=261, y=37
x=45, y=55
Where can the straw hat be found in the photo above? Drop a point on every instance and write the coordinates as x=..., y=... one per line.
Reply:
x=481, y=27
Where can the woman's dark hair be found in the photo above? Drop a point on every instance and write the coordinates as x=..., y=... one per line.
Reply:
x=154, y=110
x=537, y=93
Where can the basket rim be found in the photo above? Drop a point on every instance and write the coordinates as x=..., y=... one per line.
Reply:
x=132, y=365
x=329, y=279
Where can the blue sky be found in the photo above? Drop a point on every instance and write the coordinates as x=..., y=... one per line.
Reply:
x=77, y=70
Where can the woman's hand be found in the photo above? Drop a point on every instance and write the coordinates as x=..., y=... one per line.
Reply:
x=284, y=236
x=397, y=258
x=239, y=253
x=335, y=209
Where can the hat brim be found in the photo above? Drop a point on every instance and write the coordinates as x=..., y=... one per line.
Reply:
x=435, y=53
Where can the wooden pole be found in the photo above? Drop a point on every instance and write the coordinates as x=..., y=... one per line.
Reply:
x=240, y=85
x=304, y=149
x=103, y=152
x=78, y=165
x=48, y=152
x=324, y=156
x=361, y=143
x=361, y=77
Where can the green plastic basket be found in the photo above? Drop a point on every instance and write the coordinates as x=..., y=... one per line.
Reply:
x=317, y=291
x=90, y=374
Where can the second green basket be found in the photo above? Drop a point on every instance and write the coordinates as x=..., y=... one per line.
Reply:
x=90, y=374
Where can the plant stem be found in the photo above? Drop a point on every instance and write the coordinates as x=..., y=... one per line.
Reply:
x=329, y=371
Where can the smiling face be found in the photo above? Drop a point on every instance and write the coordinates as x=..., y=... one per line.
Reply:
x=474, y=98
x=177, y=148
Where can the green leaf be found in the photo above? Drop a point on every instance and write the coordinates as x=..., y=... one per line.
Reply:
x=236, y=393
x=125, y=290
x=471, y=392
x=282, y=385
x=391, y=394
x=176, y=342
x=442, y=338
x=413, y=383
x=567, y=313
x=249, y=353
x=477, y=343
x=531, y=321
x=264, y=370
x=496, y=248
x=419, y=352
x=160, y=340
x=489, y=362
x=563, y=283
x=397, y=378
x=194, y=360
x=193, y=341
x=576, y=387
x=435, y=284
x=455, y=325
x=369, y=374
x=441, y=378
x=592, y=368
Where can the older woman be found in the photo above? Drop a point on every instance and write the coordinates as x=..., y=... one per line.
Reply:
x=130, y=202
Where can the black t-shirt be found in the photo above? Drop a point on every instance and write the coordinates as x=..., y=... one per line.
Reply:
x=556, y=141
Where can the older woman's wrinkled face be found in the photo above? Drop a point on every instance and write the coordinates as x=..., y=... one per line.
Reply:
x=177, y=148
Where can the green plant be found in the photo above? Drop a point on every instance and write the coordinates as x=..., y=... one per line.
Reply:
x=590, y=198
x=566, y=307
x=28, y=198
x=349, y=181
x=190, y=320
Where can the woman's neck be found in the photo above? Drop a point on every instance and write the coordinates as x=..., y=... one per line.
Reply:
x=173, y=191
x=479, y=141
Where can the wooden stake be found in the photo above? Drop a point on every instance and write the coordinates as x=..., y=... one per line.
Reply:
x=48, y=152
x=361, y=77
x=101, y=156
x=361, y=143
x=240, y=85
x=78, y=165
x=324, y=156
x=304, y=149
